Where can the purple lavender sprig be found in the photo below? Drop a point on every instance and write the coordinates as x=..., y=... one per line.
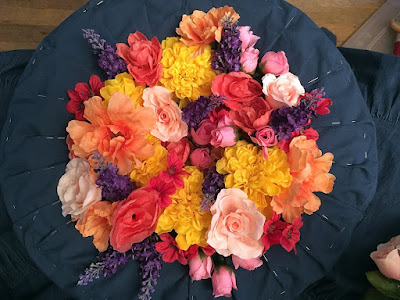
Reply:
x=199, y=110
x=213, y=183
x=226, y=57
x=108, y=60
x=100, y=161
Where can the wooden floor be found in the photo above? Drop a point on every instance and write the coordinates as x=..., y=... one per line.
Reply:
x=24, y=23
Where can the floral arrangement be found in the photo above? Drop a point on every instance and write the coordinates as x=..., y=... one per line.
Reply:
x=387, y=259
x=192, y=151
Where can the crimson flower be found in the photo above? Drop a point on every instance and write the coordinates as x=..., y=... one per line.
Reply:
x=273, y=231
x=81, y=93
x=175, y=166
x=193, y=250
x=170, y=249
x=291, y=235
x=164, y=189
x=322, y=106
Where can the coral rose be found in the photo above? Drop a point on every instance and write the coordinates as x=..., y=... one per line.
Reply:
x=236, y=225
x=97, y=223
x=387, y=258
x=134, y=219
x=237, y=88
x=223, y=281
x=77, y=189
x=142, y=58
x=169, y=126
x=252, y=116
x=117, y=132
x=275, y=63
x=200, y=158
x=282, y=91
x=181, y=148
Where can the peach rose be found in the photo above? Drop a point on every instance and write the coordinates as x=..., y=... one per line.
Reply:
x=182, y=148
x=284, y=90
x=387, y=258
x=169, y=125
x=236, y=226
x=77, y=189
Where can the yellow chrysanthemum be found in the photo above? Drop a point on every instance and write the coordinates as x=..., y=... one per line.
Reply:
x=184, y=215
x=247, y=170
x=188, y=77
x=125, y=84
x=151, y=166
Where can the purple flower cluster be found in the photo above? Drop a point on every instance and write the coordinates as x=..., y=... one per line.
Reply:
x=108, y=61
x=199, y=110
x=212, y=185
x=114, y=187
x=226, y=57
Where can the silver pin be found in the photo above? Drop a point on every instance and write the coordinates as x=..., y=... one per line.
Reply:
x=341, y=62
x=283, y=292
x=85, y=10
x=41, y=48
x=276, y=275
x=6, y=138
x=289, y=22
x=54, y=266
x=61, y=138
x=343, y=229
x=353, y=121
x=20, y=227
x=308, y=248
x=50, y=137
x=13, y=206
x=349, y=164
x=279, y=7
x=266, y=259
x=55, y=202
x=59, y=98
x=100, y=2
x=33, y=62
x=365, y=135
x=312, y=80
x=331, y=246
x=348, y=77
x=329, y=72
x=325, y=217
x=333, y=161
x=192, y=298
x=54, y=232
x=49, y=168
x=43, y=96
x=336, y=123
x=9, y=121
x=366, y=155
x=69, y=222
x=34, y=217
x=28, y=172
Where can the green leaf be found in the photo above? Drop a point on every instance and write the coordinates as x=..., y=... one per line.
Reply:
x=386, y=286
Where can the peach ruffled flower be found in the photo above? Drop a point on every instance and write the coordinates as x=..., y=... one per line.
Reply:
x=97, y=223
x=204, y=28
x=309, y=169
x=117, y=132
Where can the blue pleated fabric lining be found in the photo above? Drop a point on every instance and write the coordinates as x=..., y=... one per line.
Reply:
x=34, y=154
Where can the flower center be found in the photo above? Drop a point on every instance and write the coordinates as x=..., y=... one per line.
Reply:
x=289, y=234
x=172, y=170
x=133, y=217
x=271, y=229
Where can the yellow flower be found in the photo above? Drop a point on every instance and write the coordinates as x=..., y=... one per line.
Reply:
x=151, y=166
x=184, y=215
x=188, y=77
x=125, y=84
x=247, y=170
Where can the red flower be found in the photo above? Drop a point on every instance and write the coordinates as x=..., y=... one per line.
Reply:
x=174, y=172
x=322, y=108
x=273, y=231
x=164, y=189
x=291, y=235
x=309, y=133
x=170, y=249
x=83, y=92
x=193, y=250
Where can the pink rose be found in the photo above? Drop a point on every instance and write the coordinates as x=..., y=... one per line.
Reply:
x=265, y=137
x=275, y=63
x=169, y=125
x=247, y=37
x=223, y=280
x=200, y=158
x=249, y=59
x=224, y=137
x=182, y=148
x=387, y=258
x=221, y=118
x=202, y=136
x=236, y=225
x=200, y=268
x=284, y=90
x=248, y=264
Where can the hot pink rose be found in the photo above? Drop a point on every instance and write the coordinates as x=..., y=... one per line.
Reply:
x=202, y=136
x=247, y=37
x=221, y=118
x=182, y=148
x=249, y=60
x=265, y=137
x=248, y=264
x=223, y=281
x=169, y=126
x=236, y=226
x=387, y=258
x=200, y=268
x=284, y=90
x=275, y=63
x=224, y=136
x=200, y=158
x=142, y=58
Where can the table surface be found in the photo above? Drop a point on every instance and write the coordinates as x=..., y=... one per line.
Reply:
x=24, y=23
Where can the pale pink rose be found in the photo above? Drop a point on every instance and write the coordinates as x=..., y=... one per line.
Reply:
x=236, y=225
x=182, y=148
x=169, y=125
x=284, y=90
x=223, y=281
x=77, y=189
x=275, y=63
x=200, y=158
x=221, y=118
x=249, y=59
x=387, y=258
x=265, y=137
x=202, y=136
x=224, y=137
x=200, y=268
x=70, y=142
x=247, y=37
x=248, y=264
